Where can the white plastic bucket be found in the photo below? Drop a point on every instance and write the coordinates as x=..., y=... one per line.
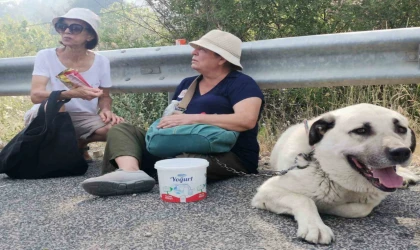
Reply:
x=182, y=179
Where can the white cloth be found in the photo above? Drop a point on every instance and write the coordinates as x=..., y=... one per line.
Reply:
x=169, y=110
x=31, y=114
x=98, y=75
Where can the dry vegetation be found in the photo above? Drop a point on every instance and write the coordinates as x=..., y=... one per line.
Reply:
x=12, y=110
x=283, y=108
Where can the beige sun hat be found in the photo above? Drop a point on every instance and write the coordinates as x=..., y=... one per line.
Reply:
x=82, y=14
x=223, y=43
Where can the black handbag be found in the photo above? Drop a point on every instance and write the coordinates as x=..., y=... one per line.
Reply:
x=46, y=148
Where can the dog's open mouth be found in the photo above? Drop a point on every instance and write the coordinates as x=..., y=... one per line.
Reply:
x=386, y=179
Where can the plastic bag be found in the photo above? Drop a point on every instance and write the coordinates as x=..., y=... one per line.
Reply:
x=171, y=108
x=31, y=114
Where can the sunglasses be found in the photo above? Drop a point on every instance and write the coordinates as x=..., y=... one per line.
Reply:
x=73, y=28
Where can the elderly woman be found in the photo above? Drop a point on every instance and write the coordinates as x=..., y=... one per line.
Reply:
x=78, y=29
x=223, y=97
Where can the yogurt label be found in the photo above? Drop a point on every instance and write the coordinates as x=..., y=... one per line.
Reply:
x=181, y=178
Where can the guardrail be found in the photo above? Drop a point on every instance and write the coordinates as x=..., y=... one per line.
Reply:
x=356, y=58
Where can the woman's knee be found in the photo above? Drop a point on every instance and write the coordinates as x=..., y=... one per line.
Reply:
x=104, y=130
x=121, y=130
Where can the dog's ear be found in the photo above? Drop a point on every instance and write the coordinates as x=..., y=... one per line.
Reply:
x=319, y=128
x=413, y=141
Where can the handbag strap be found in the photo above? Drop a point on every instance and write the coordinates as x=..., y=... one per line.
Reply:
x=182, y=105
x=53, y=106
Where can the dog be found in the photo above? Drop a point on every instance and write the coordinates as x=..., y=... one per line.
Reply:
x=344, y=164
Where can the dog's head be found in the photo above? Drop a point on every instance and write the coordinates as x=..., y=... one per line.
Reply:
x=363, y=144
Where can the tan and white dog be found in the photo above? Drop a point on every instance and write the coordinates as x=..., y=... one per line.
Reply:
x=345, y=165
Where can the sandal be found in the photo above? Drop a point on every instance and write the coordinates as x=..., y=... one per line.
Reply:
x=85, y=153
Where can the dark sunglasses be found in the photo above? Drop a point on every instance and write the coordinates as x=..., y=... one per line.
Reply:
x=73, y=28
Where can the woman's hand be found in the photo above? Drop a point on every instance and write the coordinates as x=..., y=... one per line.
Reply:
x=109, y=117
x=39, y=92
x=87, y=93
x=176, y=120
x=244, y=118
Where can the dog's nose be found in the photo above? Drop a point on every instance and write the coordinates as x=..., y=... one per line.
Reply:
x=399, y=155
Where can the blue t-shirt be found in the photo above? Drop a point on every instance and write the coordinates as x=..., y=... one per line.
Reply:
x=234, y=88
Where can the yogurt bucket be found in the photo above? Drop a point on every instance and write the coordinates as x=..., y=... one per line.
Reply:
x=182, y=179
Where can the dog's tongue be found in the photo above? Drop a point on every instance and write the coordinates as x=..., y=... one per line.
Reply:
x=388, y=177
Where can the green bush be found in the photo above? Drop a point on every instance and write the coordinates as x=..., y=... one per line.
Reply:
x=140, y=109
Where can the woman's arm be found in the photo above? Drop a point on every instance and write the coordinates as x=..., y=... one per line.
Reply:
x=105, y=101
x=245, y=117
x=40, y=93
x=38, y=89
x=104, y=104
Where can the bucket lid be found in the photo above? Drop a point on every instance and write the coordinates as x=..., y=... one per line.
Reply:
x=181, y=163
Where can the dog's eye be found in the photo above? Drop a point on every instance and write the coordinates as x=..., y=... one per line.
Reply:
x=360, y=131
x=401, y=130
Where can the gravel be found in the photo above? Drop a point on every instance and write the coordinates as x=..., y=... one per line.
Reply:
x=58, y=214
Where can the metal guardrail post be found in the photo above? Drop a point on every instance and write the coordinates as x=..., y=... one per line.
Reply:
x=170, y=95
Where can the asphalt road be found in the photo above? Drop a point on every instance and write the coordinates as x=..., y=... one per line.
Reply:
x=58, y=214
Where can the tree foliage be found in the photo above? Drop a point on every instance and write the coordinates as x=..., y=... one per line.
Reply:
x=36, y=11
x=126, y=25
x=18, y=38
x=130, y=26
x=266, y=19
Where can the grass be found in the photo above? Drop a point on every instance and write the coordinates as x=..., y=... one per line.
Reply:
x=12, y=110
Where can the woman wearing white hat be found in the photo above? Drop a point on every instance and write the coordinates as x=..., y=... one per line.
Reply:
x=223, y=97
x=78, y=29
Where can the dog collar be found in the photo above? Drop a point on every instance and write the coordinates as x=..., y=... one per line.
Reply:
x=305, y=123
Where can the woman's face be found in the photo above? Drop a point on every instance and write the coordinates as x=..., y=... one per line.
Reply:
x=205, y=60
x=73, y=32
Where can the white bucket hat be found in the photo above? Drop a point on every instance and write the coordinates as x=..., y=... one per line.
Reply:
x=223, y=43
x=82, y=14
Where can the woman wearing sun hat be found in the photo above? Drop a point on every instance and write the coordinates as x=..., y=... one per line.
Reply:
x=78, y=30
x=224, y=97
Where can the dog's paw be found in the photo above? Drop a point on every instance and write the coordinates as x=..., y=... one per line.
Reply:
x=409, y=178
x=315, y=232
x=257, y=202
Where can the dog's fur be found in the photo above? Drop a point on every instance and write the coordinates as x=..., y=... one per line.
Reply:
x=329, y=179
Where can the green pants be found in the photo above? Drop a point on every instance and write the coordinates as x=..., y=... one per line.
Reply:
x=126, y=140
